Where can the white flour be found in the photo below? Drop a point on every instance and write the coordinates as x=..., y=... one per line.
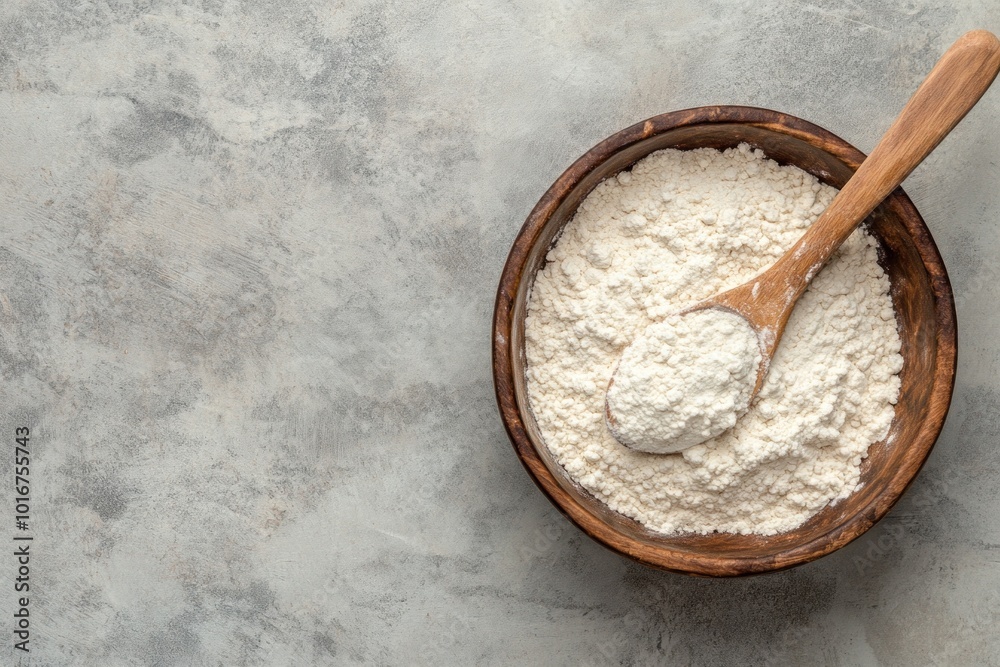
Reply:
x=684, y=380
x=678, y=228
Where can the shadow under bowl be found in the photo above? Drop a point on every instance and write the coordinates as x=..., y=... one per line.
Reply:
x=921, y=296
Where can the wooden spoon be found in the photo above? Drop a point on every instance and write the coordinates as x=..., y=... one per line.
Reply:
x=951, y=89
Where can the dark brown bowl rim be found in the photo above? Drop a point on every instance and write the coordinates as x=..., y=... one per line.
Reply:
x=685, y=561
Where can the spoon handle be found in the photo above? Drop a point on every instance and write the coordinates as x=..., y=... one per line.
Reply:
x=953, y=87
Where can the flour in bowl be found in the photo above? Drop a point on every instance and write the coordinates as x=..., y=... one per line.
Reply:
x=683, y=381
x=676, y=229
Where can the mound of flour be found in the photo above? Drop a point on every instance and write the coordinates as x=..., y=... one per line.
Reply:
x=678, y=228
x=684, y=380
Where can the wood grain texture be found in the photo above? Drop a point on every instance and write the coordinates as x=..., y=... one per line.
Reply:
x=921, y=295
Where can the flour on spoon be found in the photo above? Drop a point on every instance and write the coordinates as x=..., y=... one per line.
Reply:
x=683, y=381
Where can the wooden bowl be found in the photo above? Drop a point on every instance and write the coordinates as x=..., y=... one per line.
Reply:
x=921, y=295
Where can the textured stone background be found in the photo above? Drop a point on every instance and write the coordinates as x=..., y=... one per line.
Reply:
x=248, y=254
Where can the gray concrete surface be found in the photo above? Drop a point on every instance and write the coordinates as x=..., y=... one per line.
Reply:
x=247, y=260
